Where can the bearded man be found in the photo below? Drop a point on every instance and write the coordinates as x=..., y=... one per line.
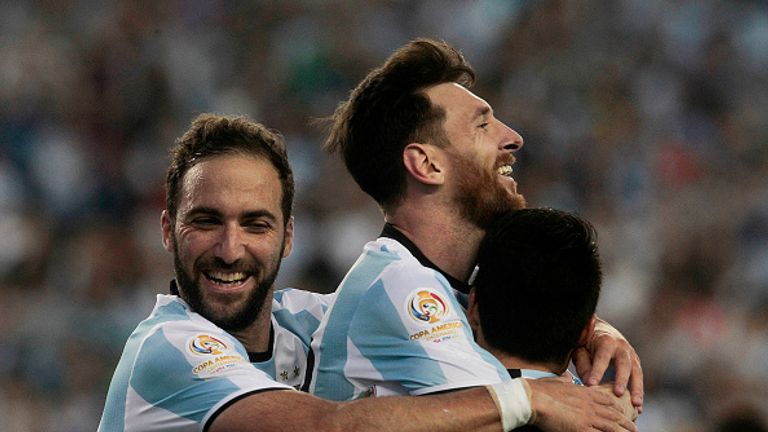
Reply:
x=439, y=163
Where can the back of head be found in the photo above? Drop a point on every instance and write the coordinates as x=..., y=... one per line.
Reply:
x=388, y=110
x=213, y=135
x=538, y=283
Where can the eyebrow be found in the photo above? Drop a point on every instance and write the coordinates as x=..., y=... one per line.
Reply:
x=482, y=111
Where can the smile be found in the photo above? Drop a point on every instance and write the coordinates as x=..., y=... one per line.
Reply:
x=504, y=170
x=226, y=278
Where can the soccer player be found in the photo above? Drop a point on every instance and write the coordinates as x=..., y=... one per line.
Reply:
x=534, y=298
x=438, y=162
x=188, y=366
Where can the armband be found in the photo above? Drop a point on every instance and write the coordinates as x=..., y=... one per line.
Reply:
x=512, y=401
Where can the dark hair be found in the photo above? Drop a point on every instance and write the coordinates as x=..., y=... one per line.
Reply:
x=388, y=109
x=214, y=135
x=538, y=283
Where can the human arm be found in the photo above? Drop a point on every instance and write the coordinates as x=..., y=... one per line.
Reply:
x=608, y=344
x=560, y=408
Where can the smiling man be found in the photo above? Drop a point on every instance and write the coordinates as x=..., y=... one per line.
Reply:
x=439, y=163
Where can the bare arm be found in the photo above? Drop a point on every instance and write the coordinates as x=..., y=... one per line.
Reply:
x=608, y=344
x=558, y=408
x=273, y=411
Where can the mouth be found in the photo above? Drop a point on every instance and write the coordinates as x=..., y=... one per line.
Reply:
x=227, y=280
x=504, y=170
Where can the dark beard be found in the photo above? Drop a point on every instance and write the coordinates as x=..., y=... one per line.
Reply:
x=480, y=197
x=237, y=320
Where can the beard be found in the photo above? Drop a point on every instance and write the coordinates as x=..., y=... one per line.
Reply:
x=480, y=197
x=237, y=315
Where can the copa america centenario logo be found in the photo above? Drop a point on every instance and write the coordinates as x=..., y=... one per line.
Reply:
x=427, y=306
x=207, y=345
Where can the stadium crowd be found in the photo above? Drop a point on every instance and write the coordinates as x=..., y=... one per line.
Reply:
x=646, y=117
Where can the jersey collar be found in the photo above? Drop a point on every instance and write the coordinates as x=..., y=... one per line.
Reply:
x=390, y=231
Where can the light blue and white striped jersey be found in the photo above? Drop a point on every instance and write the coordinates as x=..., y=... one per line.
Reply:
x=178, y=369
x=396, y=327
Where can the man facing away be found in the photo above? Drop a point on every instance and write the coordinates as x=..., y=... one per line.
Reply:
x=189, y=365
x=438, y=162
x=534, y=298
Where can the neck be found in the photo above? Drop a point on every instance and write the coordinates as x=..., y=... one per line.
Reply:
x=514, y=362
x=445, y=239
x=255, y=337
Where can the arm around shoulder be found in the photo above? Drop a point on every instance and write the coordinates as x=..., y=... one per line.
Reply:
x=471, y=409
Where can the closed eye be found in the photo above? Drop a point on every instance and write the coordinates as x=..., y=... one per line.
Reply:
x=204, y=222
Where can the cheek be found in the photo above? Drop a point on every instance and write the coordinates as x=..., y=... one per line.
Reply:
x=192, y=244
x=267, y=250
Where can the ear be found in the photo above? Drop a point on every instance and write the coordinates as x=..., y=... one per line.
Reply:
x=424, y=163
x=473, y=313
x=589, y=329
x=166, y=224
x=288, y=242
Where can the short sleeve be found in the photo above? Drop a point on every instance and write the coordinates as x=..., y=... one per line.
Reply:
x=411, y=329
x=188, y=371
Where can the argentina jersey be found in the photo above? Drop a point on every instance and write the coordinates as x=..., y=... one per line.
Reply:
x=296, y=314
x=176, y=371
x=396, y=327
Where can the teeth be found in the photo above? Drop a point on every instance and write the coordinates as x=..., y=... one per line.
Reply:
x=227, y=277
x=505, y=170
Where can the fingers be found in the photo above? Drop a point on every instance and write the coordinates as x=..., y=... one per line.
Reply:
x=583, y=362
x=605, y=348
x=614, y=415
x=621, y=425
x=623, y=363
x=636, y=384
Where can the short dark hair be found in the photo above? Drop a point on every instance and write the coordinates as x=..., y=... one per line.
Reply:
x=214, y=135
x=538, y=283
x=389, y=109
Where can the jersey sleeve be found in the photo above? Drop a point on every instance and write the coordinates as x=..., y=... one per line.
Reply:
x=186, y=372
x=300, y=311
x=411, y=329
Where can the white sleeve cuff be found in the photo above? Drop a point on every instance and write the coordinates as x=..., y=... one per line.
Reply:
x=512, y=401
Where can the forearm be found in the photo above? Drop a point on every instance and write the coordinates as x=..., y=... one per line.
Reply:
x=471, y=409
x=464, y=410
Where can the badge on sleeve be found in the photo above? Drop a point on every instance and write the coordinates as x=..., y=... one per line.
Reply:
x=217, y=355
x=428, y=307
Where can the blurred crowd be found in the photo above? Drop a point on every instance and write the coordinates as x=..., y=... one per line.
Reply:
x=649, y=117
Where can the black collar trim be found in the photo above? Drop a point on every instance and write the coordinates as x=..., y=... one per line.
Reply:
x=253, y=357
x=392, y=232
x=174, y=289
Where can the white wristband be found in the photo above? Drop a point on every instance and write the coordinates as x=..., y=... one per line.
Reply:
x=512, y=402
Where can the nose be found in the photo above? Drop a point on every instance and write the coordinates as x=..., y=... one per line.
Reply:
x=230, y=246
x=511, y=140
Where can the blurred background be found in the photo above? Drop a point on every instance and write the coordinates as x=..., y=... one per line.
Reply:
x=648, y=117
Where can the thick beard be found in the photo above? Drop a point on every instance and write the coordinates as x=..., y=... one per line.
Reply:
x=236, y=320
x=480, y=197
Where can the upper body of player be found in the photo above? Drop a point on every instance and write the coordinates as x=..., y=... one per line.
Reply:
x=438, y=162
x=534, y=296
x=228, y=224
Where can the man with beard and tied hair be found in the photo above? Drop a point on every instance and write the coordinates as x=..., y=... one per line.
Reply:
x=208, y=356
x=439, y=163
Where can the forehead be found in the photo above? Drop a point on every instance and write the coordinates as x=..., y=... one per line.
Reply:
x=232, y=184
x=457, y=101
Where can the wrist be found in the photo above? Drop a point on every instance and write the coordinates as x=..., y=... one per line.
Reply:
x=513, y=401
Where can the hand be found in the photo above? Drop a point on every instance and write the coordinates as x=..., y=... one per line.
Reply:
x=559, y=406
x=608, y=344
